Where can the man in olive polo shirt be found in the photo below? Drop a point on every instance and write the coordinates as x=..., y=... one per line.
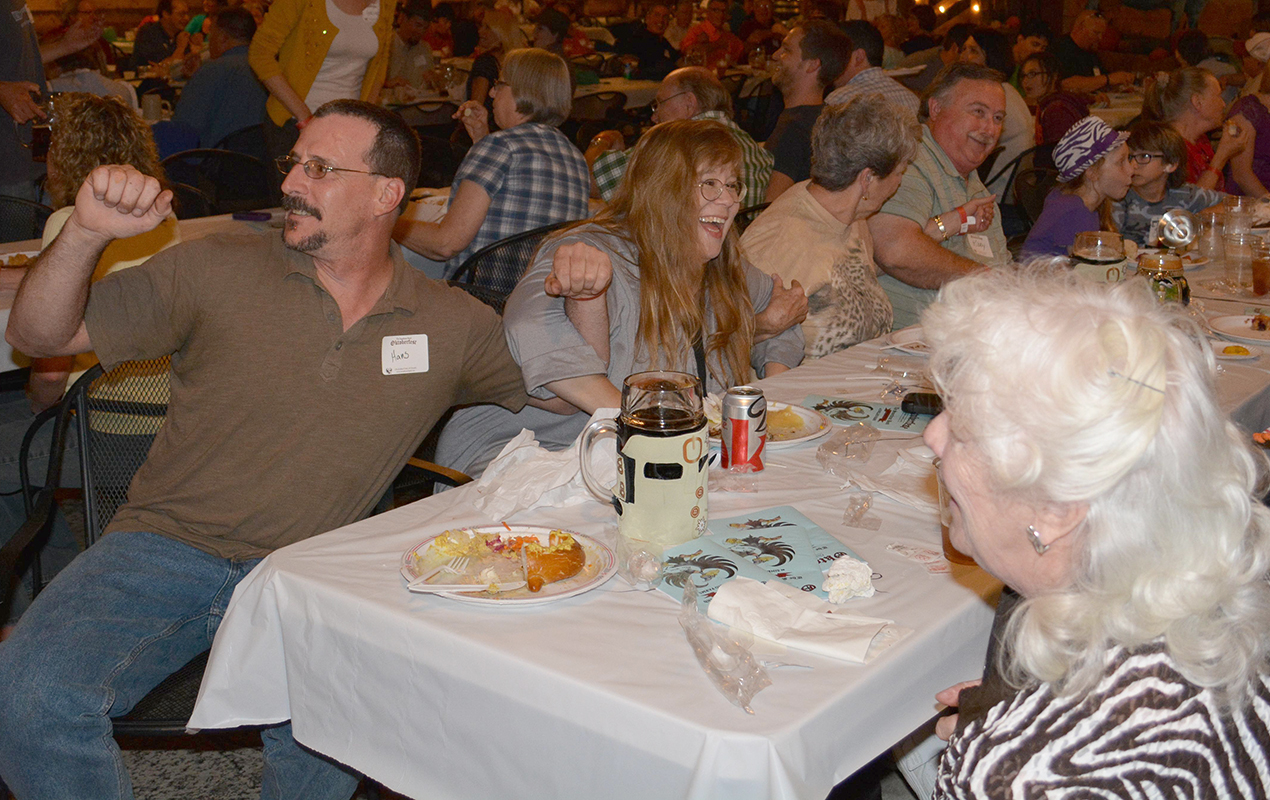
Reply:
x=306, y=369
x=942, y=222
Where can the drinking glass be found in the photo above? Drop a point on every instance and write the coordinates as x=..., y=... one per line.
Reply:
x=1260, y=267
x=1238, y=250
x=945, y=519
x=1208, y=243
x=1238, y=214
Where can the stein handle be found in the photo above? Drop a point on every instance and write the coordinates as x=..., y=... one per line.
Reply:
x=588, y=438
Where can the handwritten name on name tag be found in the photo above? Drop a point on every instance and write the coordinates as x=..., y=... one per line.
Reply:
x=402, y=355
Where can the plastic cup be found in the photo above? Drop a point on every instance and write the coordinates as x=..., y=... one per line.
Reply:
x=1238, y=250
x=945, y=519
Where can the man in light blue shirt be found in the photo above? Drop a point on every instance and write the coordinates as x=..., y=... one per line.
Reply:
x=224, y=96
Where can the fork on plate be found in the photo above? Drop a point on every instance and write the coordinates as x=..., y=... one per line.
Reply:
x=455, y=566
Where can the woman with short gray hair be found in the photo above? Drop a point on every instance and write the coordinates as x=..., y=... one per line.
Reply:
x=524, y=176
x=815, y=234
x=1091, y=469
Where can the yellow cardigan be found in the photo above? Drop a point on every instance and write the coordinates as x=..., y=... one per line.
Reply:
x=293, y=42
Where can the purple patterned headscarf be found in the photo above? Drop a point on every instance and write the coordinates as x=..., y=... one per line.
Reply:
x=1082, y=145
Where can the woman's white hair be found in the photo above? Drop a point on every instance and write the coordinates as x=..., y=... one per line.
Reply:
x=1078, y=392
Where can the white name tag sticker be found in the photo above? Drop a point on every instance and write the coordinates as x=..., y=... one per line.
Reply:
x=979, y=244
x=402, y=355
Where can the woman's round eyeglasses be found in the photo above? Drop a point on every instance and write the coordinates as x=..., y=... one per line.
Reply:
x=712, y=189
x=315, y=169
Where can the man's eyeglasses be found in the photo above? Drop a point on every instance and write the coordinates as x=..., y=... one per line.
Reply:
x=315, y=169
x=656, y=104
x=712, y=189
x=1142, y=159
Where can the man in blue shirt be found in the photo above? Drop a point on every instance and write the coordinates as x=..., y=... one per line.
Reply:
x=224, y=96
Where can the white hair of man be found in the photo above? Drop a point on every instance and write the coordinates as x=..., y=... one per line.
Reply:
x=1077, y=392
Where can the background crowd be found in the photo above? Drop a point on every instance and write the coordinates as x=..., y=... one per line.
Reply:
x=796, y=184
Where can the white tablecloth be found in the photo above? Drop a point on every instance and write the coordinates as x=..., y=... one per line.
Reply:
x=598, y=695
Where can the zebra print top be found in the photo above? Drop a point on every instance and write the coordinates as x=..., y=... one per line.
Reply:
x=1144, y=731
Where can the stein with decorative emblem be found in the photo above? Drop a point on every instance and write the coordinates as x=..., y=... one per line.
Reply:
x=662, y=446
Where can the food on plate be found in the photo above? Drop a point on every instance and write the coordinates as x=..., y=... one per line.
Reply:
x=15, y=260
x=1263, y=437
x=556, y=559
x=784, y=424
x=1235, y=350
x=1259, y=322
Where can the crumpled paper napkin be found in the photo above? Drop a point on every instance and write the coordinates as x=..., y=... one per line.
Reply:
x=781, y=613
x=525, y=475
x=910, y=479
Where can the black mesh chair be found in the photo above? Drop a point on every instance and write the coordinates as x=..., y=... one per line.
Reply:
x=755, y=113
x=593, y=113
x=492, y=272
x=234, y=181
x=249, y=141
x=747, y=215
x=433, y=118
x=439, y=160
x=190, y=202
x=1030, y=189
x=21, y=219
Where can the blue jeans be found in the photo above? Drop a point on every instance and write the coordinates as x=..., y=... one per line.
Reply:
x=126, y=613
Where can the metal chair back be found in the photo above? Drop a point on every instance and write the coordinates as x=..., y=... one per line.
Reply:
x=117, y=415
x=1030, y=189
x=234, y=181
x=492, y=272
x=21, y=219
x=190, y=202
x=747, y=215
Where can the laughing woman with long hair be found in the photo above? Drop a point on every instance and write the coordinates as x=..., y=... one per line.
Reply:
x=680, y=287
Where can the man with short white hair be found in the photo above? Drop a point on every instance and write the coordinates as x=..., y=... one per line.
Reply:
x=942, y=223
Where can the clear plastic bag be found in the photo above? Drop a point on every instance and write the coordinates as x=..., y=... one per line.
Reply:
x=731, y=666
x=847, y=448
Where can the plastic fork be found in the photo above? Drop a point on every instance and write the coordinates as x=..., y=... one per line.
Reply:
x=455, y=566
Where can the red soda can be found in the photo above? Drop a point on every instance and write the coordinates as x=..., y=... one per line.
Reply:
x=744, y=428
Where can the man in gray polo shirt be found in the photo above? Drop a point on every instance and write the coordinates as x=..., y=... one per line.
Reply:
x=306, y=369
x=942, y=223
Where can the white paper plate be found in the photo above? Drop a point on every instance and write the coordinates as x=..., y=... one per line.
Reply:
x=1253, y=352
x=815, y=425
x=1238, y=327
x=601, y=564
x=910, y=340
